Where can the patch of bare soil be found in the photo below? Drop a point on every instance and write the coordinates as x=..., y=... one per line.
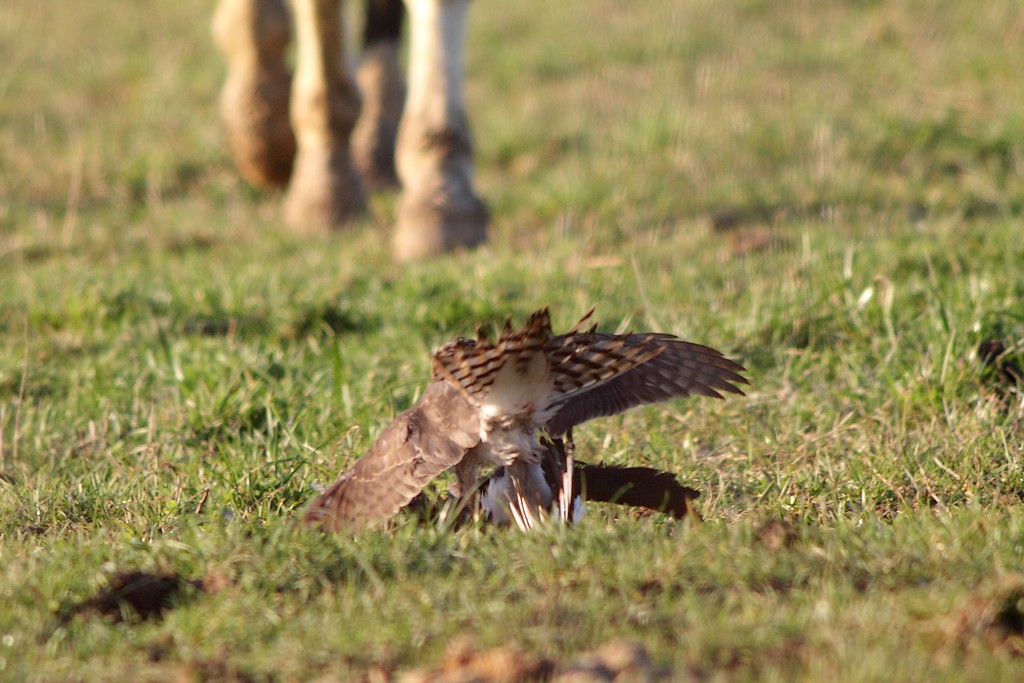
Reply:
x=142, y=595
x=614, y=661
x=147, y=595
x=993, y=619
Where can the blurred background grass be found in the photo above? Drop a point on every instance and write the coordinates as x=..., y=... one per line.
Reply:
x=830, y=192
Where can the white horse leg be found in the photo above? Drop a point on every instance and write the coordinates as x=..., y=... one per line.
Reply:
x=325, y=190
x=382, y=85
x=373, y=140
x=438, y=210
x=252, y=35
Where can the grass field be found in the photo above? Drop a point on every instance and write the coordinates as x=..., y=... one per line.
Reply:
x=829, y=192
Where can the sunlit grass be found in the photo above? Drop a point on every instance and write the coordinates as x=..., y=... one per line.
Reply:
x=831, y=197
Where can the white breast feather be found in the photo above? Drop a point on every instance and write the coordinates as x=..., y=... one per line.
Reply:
x=517, y=389
x=501, y=491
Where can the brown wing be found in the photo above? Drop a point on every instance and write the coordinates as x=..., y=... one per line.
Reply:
x=419, y=445
x=679, y=369
x=473, y=365
x=576, y=362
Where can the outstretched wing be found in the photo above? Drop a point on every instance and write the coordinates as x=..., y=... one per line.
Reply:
x=679, y=369
x=420, y=444
x=531, y=369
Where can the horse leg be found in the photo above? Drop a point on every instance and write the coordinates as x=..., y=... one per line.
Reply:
x=325, y=190
x=252, y=35
x=383, y=89
x=438, y=210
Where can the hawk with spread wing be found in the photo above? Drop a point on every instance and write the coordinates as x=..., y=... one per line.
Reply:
x=490, y=403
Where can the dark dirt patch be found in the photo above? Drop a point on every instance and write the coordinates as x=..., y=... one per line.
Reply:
x=993, y=618
x=1004, y=366
x=615, y=660
x=146, y=595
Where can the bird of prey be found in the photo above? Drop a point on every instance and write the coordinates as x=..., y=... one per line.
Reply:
x=490, y=403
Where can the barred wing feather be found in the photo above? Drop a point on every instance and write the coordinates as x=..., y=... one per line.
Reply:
x=418, y=445
x=680, y=369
